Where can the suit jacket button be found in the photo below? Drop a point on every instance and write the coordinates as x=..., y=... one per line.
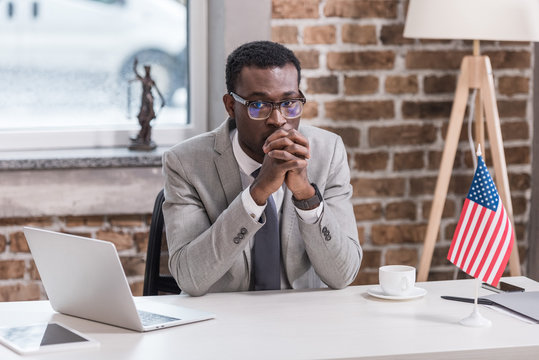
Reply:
x=240, y=236
x=236, y=240
x=328, y=237
x=324, y=230
x=243, y=231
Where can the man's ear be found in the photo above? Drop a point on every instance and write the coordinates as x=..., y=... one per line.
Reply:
x=229, y=101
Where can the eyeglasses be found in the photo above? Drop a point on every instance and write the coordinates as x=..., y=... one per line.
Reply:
x=261, y=110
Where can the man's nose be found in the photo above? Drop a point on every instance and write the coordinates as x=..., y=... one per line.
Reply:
x=276, y=118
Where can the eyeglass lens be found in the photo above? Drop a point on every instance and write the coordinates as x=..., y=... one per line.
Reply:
x=261, y=110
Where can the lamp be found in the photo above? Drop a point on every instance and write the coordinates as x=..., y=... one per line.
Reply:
x=503, y=20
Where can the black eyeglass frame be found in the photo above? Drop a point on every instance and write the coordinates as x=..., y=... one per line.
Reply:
x=274, y=105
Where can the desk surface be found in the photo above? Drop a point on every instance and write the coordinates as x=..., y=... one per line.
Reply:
x=311, y=324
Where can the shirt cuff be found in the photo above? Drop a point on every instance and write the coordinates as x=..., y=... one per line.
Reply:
x=252, y=208
x=311, y=216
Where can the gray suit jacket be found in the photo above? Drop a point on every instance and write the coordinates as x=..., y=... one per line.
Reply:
x=204, y=217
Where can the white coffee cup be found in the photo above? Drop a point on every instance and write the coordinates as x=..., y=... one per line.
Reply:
x=396, y=280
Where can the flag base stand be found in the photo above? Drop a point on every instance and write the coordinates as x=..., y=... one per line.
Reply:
x=475, y=319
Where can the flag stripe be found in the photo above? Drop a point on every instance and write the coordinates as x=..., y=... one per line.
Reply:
x=481, y=243
x=493, y=246
x=457, y=230
x=472, y=244
x=490, y=236
x=465, y=231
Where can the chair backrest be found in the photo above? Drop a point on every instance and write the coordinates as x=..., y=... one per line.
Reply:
x=154, y=282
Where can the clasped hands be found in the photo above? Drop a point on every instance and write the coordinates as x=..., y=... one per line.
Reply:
x=286, y=153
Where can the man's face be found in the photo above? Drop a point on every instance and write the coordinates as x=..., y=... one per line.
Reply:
x=272, y=84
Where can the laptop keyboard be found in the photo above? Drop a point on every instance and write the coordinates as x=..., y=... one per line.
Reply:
x=149, y=318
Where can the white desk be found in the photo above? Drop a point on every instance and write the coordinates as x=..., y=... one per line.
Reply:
x=314, y=324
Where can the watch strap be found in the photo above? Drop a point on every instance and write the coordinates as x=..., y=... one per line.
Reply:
x=310, y=203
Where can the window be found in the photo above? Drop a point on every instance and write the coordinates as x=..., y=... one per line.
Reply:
x=67, y=71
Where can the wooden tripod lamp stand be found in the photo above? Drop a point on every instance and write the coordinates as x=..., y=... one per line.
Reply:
x=503, y=20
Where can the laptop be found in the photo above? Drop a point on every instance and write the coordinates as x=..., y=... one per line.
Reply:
x=83, y=277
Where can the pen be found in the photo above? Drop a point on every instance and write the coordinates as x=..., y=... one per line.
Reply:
x=469, y=300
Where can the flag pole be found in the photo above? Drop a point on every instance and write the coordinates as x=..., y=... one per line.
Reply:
x=475, y=319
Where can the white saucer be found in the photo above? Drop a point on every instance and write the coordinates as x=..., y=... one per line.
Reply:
x=413, y=294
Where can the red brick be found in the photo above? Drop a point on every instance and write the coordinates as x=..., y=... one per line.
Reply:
x=398, y=234
x=405, y=210
x=310, y=110
x=18, y=242
x=137, y=288
x=361, y=60
x=371, y=161
x=362, y=9
x=323, y=85
x=434, y=84
x=359, y=34
x=323, y=34
x=360, y=85
x=519, y=182
x=440, y=275
x=360, y=110
x=515, y=130
x=449, y=210
x=127, y=220
x=12, y=269
x=520, y=205
x=141, y=241
x=121, y=240
x=439, y=256
x=435, y=160
x=34, y=273
x=460, y=184
x=20, y=292
x=349, y=135
x=366, y=278
x=3, y=242
x=402, y=135
x=408, y=161
x=32, y=221
x=512, y=108
x=378, y=187
x=429, y=59
x=422, y=185
x=284, y=34
x=133, y=265
x=371, y=259
x=426, y=109
x=402, y=256
x=401, y=84
x=393, y=35
x=517, y=155
x=309, y=59
x=298, y=9
x=502, y=59
x=370, y=211
x=72, y=221
x=511, y=85
x=361, y=234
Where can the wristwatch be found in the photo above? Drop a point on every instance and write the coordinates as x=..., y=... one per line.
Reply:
x=310, y=203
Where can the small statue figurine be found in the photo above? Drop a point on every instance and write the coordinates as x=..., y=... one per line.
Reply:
x=143, y=141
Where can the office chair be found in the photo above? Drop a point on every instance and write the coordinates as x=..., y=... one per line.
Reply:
x=154, y=282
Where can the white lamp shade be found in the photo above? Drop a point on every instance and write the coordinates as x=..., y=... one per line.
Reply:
x=503, y=20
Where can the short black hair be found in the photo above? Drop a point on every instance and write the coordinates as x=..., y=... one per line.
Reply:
x=260, y=54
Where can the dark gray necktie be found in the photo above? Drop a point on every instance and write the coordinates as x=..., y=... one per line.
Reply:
x=266, y=255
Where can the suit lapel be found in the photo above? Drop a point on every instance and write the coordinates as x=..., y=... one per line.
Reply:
x=225, y=162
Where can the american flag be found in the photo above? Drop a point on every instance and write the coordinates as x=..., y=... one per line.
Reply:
x=484, y=236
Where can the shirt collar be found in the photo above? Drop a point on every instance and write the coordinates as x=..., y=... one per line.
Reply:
x=246, y=164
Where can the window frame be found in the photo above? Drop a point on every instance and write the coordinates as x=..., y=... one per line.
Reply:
x=118, y=136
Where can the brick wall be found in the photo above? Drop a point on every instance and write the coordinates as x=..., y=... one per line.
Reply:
x=390, y=99
x=19, y=279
